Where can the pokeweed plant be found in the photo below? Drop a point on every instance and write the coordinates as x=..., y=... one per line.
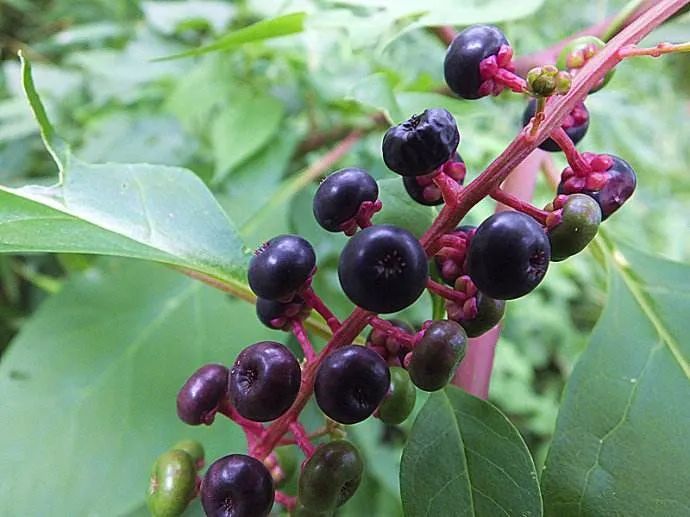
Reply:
x=462, y=455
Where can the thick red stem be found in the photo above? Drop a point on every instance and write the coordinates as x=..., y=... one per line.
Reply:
x=445, y=292
x=575, y=159
x=302, y=439
x=314, y=301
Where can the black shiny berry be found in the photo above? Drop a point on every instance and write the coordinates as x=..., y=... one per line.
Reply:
x=199, y=398
x=383, y=269
x=237, y=486
x=423, y=190
x=277, y=315
x=437, y=355
x=469, y=48
x=489, y=313
x=400, y=399
x=340, y=195
x=351, y=383
x=281, y=266
x=422, y=143
x=509, y=255
x=581, y=218
x=330, y=477
x=618, y=189
x=264, y=381
x=575, y=124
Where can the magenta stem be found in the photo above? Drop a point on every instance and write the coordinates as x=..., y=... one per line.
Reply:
x=518, y=204
x=302, y=438
x=303, y=339
x=656, y=51
x=575, y=159
x=250, y=427
x=316, y=303
x=392, y=331
x=445, y=292
x=450, y=189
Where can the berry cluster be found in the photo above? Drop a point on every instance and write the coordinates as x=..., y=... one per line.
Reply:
x=384, y=269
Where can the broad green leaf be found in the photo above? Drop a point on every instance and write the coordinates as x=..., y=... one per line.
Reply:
x=150, y=212
x=265, y=29
x=399, y=208
x=89, y=387
x=376, y=92
x=464, y=457
x=244, y=126
x=621, y=442
x=167, y=17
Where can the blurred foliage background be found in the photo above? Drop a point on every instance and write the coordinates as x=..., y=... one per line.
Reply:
x=250, y=120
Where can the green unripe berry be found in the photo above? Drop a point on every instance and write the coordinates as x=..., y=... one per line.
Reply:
x=194, y=449
x=489, y=313
x=330, y=477
x=437, y=355
x=581, y=217
x=172, y=484
x=399, y=401
x=576, y=54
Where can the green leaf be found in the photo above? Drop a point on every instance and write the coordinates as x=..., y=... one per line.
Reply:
x=621, y=442
x=265, y=29
x=464, y=457
x=375, y=91
x=158, y=213
x=244, y=126
x=399, y=208
x=90, y=382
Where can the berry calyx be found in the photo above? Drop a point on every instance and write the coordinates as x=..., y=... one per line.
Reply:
x=194, y=449
x=330, y=477
x=478, y=314
x=340, y=196
x=383, y=269
x=437, y=355
x=509, y=255
x=400, y=399
x=450, y=259
x=281, y=267
x=422, y=143
x=464, y=56
x=389, y=343
x=278, y=315
x=423, y=189
x=264, y=381
x=351, y=383
x=202, y=394
x=580, y=219
x=172, y=484
x=575, y=124
x=609, y=180
x=237, y=485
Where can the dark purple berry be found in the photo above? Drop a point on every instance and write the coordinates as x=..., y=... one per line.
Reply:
x=351, y=383
x=264, y=381
x=199, y=398
x=422, y=143
x=280, y=267
x=330, y=477
x=437, y=355
x=277, y=315
x=619, y=184
x=237, y=486
x=383, y=269
x=467, y=50
x=423, y=189
x=340, y=195
x=581, y=217
x=509, y=255
x=575, y=124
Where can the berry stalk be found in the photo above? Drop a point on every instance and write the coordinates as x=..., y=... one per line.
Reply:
x=303, y=340
x=518, y=204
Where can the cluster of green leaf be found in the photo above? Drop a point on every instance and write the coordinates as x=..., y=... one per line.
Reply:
x=89, y=381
